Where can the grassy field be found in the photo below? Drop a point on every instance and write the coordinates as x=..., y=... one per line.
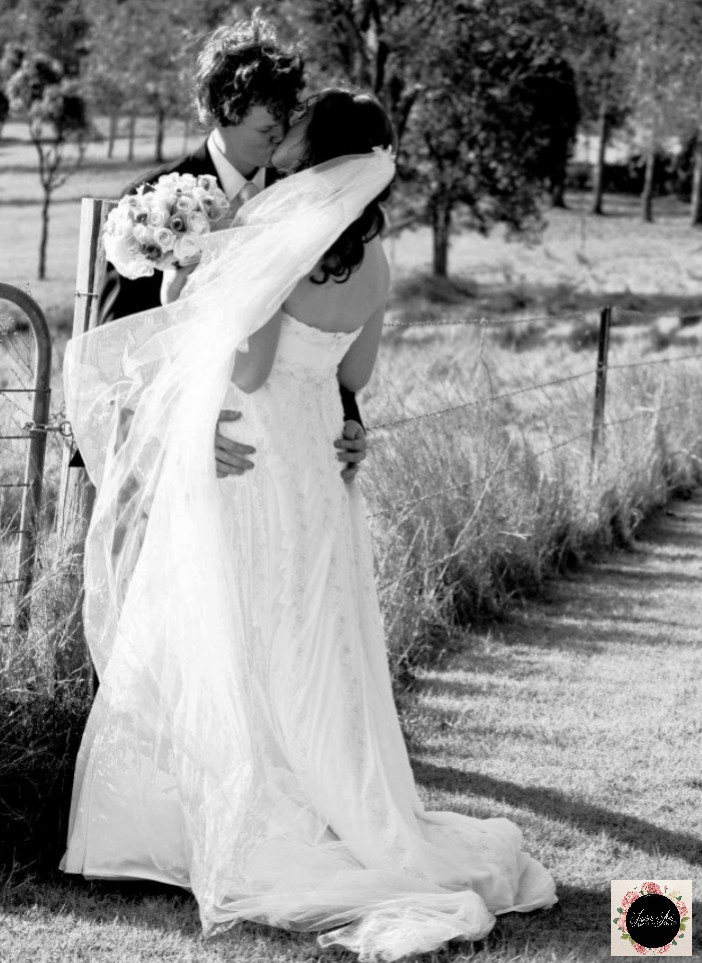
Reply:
x=579, y=717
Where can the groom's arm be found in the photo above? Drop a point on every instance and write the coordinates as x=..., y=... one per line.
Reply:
x=350, y=405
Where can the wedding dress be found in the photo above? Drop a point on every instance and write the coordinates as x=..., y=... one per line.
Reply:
x=244, y=741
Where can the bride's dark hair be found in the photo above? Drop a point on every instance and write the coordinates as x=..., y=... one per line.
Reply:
x=345, y=122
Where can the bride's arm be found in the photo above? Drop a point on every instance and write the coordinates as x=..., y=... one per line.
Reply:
x=357, y=364
x=251, y=368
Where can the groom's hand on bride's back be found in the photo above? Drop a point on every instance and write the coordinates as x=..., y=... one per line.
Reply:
x=231, y=456
x=352, y=448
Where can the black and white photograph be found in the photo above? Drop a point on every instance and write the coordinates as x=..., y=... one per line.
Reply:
x=350, y=480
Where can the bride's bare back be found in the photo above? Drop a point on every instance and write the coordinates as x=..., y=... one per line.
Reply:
x=334, y=306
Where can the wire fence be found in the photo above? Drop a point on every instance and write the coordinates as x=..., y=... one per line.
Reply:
x=565, y=443
x=39, y=427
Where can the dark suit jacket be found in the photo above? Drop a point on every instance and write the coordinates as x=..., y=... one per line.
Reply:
x=120, y=296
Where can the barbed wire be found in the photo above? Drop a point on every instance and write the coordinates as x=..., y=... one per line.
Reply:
x=656, y=361
x=540, y=454
x=478, y=402
x=487, y=321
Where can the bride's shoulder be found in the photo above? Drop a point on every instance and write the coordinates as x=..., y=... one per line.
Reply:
x=376, y=261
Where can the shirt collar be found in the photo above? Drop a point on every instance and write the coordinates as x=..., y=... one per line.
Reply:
x=229, y=177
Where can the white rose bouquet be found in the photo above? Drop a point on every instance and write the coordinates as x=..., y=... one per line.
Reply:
x=162, y=224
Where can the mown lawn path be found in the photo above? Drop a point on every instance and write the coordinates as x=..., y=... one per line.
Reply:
x=580, y=718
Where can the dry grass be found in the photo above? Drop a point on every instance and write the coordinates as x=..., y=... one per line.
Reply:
x=578, y=719
x=472, y=511
x=477, y=506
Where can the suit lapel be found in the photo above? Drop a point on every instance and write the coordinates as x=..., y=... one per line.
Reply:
x=200, y=162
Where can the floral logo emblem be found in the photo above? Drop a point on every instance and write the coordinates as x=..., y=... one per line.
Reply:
x=653, y=918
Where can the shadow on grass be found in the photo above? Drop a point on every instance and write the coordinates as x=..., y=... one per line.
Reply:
x=618, y=599
x=577, y=927
x=579, y=919
x=622, y=827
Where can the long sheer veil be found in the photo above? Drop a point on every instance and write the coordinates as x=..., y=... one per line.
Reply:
x=143, y=395
x=176, y=779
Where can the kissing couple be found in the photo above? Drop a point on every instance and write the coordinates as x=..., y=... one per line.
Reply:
x=244, y=742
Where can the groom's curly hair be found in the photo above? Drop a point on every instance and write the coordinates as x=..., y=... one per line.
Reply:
x=341, y=122
x=243, y=65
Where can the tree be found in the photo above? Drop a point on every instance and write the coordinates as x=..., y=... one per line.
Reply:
x=147, y=62
x=684, y=44
x=652, y=33
x=4, y=109
x=481, y=97
x=551, y=90
x=56, y=116
x=480, y=129
x=596, y=57
x=370, y=43
x=57, y=28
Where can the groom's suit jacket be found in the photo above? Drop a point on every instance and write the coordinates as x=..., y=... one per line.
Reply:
x=120, y=296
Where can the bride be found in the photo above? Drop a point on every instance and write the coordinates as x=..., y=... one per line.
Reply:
x=244, y=743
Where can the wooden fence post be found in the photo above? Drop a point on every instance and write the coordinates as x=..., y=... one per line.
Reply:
x=600, y=383
x=77, y=494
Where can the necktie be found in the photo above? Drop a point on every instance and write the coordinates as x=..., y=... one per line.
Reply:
x=248, y=191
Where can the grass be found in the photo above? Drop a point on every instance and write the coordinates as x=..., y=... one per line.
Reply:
x=578, y=719
x=473, y=511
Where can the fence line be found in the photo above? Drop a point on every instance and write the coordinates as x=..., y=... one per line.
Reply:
x=476, y=403
x=40, y=428
x=487, y=321
x=582, y=435
x=650, y=364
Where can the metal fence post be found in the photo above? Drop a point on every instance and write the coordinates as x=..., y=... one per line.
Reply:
x=34, y=470
x=600, y=382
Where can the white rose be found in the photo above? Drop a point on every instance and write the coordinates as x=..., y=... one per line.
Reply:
x=119, y=227
x=143, y=234
x=207, y=182
x=164, y=238
x=198, y=222
x=184, y=204
x=122, y=253
x=157, y=217
x=187, y=248
x=168, y=182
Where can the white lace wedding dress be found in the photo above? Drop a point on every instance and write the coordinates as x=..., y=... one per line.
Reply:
x=306, y=816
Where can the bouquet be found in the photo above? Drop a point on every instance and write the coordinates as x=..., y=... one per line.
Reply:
x=162, y=224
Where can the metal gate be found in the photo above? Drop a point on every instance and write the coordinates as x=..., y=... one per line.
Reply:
x=35, y=433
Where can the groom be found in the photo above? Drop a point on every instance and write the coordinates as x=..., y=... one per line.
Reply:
x=247, y=88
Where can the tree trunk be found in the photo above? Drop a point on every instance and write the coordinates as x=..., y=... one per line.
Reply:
x=647, y=194
x=44, y=234
x=696, y=201
x=598, y=173
x=131, y=133
x=112, y=133
x=441, y=227
x=160, y=133
x=558, y=186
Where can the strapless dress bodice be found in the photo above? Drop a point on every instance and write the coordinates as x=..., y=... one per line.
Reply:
x=301, y=345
